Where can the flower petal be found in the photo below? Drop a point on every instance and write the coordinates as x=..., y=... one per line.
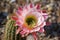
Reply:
x=42, y=25
x=20, y=8
x=41, y=30
x=38, y=6
x=35, y=36
x=44, y=11
x=18, y=30
x=18, y=12
x=14, y=18
x=45, y=15
x=48, y=23
x=19, y=23
x=31, y=6
x=22, y=33
x=26, y=33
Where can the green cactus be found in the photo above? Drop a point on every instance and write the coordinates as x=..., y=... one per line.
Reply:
x=10, y=31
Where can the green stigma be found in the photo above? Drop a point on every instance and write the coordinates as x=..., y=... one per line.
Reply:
x=31, y=21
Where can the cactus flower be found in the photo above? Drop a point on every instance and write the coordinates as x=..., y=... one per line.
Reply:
x=30, y=19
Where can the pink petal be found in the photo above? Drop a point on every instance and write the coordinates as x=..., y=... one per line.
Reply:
x=20, y=8
x=48, y=23
x=18, y=22
x=22, y=32
x=35, y=36
x=25, y=7
x=41, y=30
x=18, y=30
x=45, y=16
x=44, y=11
x=38, y=6
x=43, y=24
x=18, y=12
x=26, y=33
x=31, y=6
x=39, y=11
x=14, y=18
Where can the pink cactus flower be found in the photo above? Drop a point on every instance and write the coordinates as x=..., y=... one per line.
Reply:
x=30, y=19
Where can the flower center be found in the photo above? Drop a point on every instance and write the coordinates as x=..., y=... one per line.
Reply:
x=31, y=21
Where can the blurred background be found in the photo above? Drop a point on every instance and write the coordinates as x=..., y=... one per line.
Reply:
x=52, y=7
